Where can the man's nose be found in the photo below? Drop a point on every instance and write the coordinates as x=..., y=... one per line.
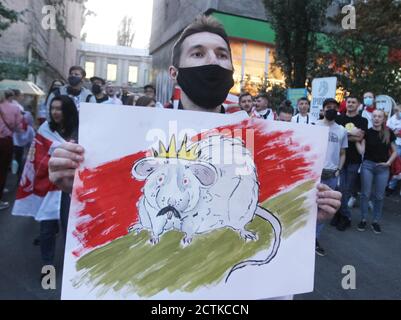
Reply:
x=212, y=58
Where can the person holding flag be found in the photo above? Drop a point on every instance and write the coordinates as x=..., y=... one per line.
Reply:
x=37, y=197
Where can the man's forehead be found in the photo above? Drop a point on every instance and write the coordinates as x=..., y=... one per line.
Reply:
x=204, y=39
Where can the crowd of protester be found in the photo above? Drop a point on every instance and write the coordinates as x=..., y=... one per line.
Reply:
x=363, y=157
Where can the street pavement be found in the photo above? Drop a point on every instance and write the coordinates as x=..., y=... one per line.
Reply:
x=376, y=258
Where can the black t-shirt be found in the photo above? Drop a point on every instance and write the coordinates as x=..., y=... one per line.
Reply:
x=352, y=154
x=105, y=98
x=376, y=150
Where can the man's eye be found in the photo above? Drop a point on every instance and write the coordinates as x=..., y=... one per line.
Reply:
x=223, y=56
x=197, y=54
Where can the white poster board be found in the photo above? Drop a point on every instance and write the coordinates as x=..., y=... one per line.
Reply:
x=161, y=212
x=386, y=103
x=322, y=89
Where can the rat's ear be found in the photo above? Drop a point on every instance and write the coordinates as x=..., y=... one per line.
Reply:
x=143, y=168
x=205, y=173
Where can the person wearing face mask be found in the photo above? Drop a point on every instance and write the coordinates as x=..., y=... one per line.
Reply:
x=74, y=89
x=202, y=67
x=42, y=114
x=394, y=124
x=335, y=156
x=97, y=89
x=369, y=105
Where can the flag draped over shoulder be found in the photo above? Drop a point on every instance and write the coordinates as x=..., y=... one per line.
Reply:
x=37, y=197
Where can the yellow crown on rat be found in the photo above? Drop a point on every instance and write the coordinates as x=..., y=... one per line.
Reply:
x=171, y=152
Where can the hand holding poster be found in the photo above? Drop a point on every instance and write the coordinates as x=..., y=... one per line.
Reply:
x=192, y=205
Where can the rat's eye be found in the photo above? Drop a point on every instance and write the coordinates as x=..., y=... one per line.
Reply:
x=160, y=179
x=185, y=182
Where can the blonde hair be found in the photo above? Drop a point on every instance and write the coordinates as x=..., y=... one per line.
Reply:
x=384, y=133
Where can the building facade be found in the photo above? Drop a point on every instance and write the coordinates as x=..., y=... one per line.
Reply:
x=116, y=64
x=29, y=40
x=251, y=36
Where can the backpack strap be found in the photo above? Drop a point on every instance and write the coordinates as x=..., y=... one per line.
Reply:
x=89, y=97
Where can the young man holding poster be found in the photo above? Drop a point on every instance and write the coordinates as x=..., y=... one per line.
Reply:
x=202, y=50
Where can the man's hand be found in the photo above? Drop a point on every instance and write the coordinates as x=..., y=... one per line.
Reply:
x=383, y=164
x=63, y=163
x=329, y=201
x=356, y=135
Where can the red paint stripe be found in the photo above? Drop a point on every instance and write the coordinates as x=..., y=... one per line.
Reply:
x=109, y=194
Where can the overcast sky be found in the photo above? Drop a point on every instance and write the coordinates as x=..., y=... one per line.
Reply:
x=103, y=27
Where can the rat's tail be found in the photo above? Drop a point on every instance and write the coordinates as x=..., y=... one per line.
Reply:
x=277, y=230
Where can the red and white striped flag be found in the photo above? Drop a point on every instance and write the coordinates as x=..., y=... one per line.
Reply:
x=37, y=197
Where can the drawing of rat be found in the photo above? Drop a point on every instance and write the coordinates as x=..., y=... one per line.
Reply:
x=210, y=185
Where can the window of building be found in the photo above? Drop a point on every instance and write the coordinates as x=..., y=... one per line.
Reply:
x=133, y=74
x=90, y=69
x=111, y=72
x=252, y=62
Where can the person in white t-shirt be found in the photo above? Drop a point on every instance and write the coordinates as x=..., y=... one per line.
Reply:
x=394, y=124
x=303, y=115
x=262, y=109
x=335, y=156
x=111, y=92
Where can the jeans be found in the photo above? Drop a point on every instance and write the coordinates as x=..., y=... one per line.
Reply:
x=348, y=179
x=332, y=183
x=377, y=176
x=49, y=230
x=393, y=182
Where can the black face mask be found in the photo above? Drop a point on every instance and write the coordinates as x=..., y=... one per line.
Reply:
x=207, y=86
x=74, y=81
x=96, y=89
x=330, y=115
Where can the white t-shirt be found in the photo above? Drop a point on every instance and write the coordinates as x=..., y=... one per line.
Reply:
x=395, y=124
x=338, y=139
x=368, y=116
x=113, y=100
x=267, y=114
x=299, y=118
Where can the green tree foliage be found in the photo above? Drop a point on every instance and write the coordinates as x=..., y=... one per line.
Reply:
x=18, y=69
x=296, y=23
x=7, y=17
x=363, y=58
